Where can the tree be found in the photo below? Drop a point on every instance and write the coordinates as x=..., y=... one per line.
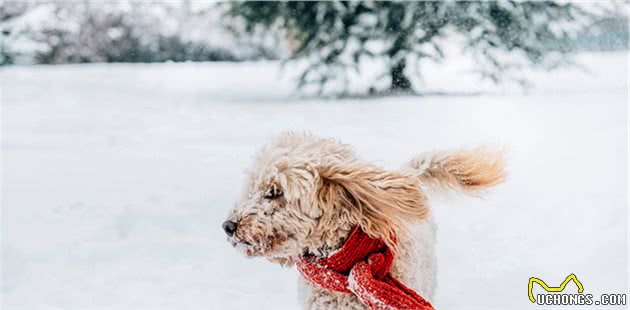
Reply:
x=49, y=32
x=335, y=37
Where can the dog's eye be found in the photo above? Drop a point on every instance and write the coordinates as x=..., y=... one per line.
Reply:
x=273, y=193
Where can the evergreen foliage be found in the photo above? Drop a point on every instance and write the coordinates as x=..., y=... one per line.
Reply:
x=333, y=37
x=47, y=32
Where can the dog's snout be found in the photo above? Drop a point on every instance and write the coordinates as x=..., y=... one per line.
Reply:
x=229, y=227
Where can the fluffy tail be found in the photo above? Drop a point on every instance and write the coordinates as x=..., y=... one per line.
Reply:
x=464, y=170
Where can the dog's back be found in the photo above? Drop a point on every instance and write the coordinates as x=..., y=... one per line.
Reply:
x=466, y=170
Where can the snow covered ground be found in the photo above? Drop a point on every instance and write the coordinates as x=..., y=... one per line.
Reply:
x=116, y=178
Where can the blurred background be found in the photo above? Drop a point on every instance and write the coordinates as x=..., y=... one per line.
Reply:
x=126, y=127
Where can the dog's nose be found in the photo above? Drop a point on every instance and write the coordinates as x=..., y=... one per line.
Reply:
x=229, y=227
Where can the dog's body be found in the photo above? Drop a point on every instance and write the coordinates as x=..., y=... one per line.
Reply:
x=305, y=194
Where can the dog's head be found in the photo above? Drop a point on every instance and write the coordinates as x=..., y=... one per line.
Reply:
x=304, y=194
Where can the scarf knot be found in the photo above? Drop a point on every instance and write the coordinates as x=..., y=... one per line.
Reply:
x=361, y=267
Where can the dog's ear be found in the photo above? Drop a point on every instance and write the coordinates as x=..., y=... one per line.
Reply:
x=379, y=201
x=464, y=170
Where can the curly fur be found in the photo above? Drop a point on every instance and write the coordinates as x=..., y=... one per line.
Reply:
x=304, y=194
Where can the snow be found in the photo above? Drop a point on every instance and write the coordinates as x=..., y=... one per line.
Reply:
x=116, y=179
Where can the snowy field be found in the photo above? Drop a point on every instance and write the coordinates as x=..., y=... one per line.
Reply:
x=116, y=178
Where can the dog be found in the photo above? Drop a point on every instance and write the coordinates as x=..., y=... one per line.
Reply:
x=304, y=195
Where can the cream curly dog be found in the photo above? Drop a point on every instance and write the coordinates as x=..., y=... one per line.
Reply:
x=304, y=195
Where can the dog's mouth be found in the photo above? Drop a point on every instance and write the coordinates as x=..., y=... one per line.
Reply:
x=247, y=248
x=269, y=246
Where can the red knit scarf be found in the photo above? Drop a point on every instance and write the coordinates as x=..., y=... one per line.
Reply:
x=361, y=268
